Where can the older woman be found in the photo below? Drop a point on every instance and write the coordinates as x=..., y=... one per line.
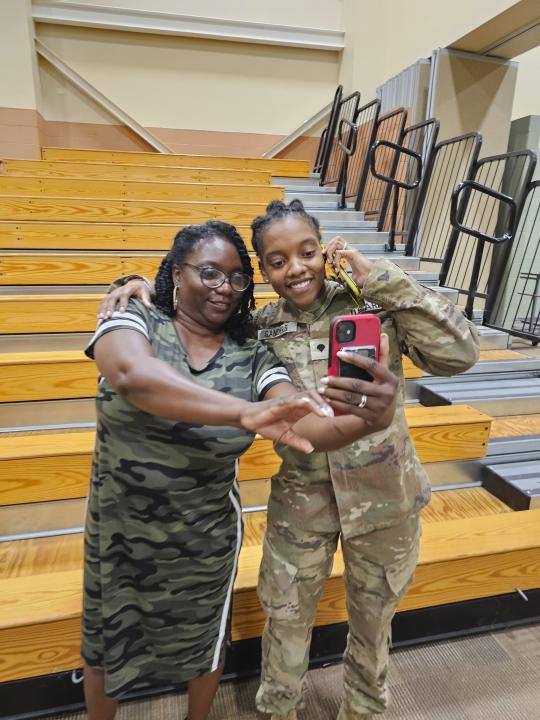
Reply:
x=183, y=390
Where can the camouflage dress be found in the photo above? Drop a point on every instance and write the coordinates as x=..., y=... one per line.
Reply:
x=164, y=526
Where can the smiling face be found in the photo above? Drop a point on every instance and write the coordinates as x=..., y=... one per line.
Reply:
x=208, y=307
x=292, y=260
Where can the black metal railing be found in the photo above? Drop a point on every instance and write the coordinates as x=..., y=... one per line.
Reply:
x=487, y=207
x=412, y=172
x=373, y=194
x=328, y=131
x=356, y=166
x=331, y=168
x=451, y=161
x=513, y=302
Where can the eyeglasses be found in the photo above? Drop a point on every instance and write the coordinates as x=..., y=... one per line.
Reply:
x=213, y=278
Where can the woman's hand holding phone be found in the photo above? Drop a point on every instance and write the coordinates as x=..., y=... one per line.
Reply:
x=373, y=401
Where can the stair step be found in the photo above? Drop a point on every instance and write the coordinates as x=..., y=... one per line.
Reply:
x=517, y=484
x=494, y=339
x=294, y=189
x=334, y=216
x=312, y=197
x=504, y=396
x=358, y=237
x=311, y=180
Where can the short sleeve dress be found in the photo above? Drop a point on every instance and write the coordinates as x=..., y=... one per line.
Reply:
x=164, y=526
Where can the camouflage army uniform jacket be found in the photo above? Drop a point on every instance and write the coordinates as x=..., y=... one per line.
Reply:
x=377, y=481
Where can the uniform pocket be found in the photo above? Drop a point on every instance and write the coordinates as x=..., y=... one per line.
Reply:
x=400, y=574
x=277, y=588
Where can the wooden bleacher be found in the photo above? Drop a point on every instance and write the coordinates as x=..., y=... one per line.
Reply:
x=276, y=167
x=473, y=545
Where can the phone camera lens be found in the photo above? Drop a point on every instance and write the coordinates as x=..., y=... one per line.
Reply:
x=345, y=331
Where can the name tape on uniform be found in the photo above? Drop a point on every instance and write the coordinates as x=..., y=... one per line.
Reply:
x=274, y=332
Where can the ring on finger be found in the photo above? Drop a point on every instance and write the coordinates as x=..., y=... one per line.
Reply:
x=363, y=402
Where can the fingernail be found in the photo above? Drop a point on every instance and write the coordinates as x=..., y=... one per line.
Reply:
x=324, y=380
x=328, y=411
x=321, y=390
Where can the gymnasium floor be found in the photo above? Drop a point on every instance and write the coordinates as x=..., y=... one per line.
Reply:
x=486, y=677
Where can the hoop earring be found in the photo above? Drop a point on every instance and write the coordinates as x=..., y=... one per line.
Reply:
x=175, y=297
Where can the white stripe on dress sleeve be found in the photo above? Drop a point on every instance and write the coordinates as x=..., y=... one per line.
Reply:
x=118, y=321
x=271, y=377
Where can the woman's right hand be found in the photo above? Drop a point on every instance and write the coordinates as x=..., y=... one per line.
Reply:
x=274, y=419
x=118, y=299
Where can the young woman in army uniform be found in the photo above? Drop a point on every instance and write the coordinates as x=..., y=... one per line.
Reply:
x=183, y=390
x=367, y=495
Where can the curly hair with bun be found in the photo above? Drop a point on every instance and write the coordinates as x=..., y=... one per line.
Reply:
x=278, y=210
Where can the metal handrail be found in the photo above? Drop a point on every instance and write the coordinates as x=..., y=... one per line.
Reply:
x=346, y=104
x=431, y=179
x=483, y=189
x=399, y=149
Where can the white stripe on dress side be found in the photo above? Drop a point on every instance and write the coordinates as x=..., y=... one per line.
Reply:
x=269, y=376
x=225, y=614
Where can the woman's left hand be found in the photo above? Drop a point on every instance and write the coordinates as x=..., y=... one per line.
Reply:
x=338, y=249
x=274, y=419
x=374, y=402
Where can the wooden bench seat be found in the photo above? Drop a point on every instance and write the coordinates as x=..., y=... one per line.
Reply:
x=460, y=559
x=80, y=268
x=146, y=173
x=277, y=167
x=14, y=186
x=126, y=211
x=94, y=236
x=56, y=465
x=61, y=313
x=61, y=374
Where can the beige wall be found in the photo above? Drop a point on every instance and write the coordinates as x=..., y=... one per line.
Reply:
x=18, y=85
x=187, y=83
x=324, y=14
x=384, y=37
x=20, y=121
x=527, y=97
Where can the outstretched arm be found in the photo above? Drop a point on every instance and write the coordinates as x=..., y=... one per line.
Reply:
x=126, y=360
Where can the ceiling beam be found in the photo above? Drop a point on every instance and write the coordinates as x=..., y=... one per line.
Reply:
x=147, y=21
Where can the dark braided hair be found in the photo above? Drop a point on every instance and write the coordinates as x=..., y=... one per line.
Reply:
x=278, y=210
x=239, y=326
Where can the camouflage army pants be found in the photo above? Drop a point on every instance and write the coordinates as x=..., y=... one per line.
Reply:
x=379, y=567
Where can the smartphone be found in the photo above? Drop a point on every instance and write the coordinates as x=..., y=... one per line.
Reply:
x=353, y=333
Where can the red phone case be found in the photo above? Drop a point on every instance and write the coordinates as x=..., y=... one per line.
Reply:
x=367, y=334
